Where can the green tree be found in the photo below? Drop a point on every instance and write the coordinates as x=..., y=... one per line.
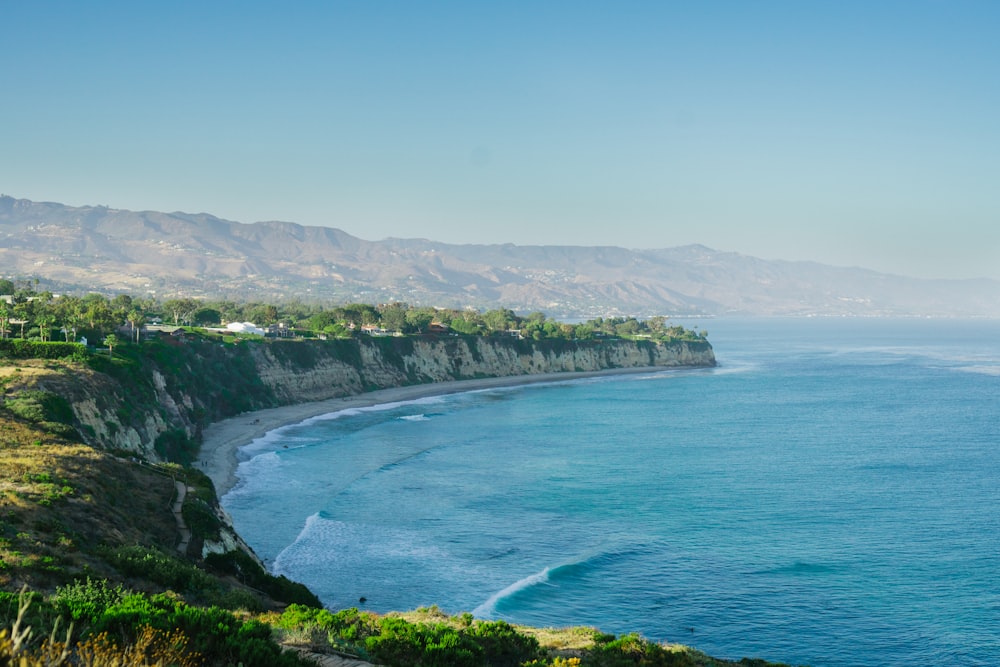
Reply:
x=21, y=313
x=419, y=319
x=179, y=309
x=206, y=317
x=357, y=313
x=98, y=314
x=393, y=316
x=500, y=319
x=263, y=314
x=136, y=319
x=45, y=326
x=111, y=341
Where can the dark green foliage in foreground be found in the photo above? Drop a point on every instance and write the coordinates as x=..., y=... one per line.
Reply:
x=88, y=599
x=631, y=649
x=216, y=634
x=390, y=640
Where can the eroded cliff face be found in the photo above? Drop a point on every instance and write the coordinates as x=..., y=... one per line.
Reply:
x=396, y=362
x=158, y=411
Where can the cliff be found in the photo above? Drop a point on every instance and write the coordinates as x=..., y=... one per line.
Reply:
x=154, y=402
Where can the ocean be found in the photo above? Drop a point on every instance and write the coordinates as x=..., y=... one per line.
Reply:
x=828, y=495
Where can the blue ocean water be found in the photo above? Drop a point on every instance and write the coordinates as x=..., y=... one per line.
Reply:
x=828, y=496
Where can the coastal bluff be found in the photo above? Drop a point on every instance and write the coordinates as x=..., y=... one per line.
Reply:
x=156, y=404
x=320, y=372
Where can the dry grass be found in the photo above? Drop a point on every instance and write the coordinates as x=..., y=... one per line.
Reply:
x=60, y=500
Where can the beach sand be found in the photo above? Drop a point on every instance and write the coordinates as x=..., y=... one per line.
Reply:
x=221, y=440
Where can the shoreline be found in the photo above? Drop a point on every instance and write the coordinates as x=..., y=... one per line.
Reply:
x=221, y=440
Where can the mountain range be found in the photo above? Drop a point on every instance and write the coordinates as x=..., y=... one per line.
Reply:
x=200, y=255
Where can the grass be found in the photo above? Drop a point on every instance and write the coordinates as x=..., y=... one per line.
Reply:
x=60, y=501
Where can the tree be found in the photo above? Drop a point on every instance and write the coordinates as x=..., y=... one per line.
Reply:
x=99, y=315
x=136, y=319
x=180, y=308
x=122, y=304
x=393, y=316
x=499, y=320
x=45, y=326
x=112, y=342
x=4, y=318
x=206, y=316
x=420, y=318
x=263, y=314
x=21, y=311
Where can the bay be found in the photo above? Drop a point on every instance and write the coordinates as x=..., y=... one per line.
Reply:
x=826, y=496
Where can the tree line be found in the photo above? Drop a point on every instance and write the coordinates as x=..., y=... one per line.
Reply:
x=28, y=313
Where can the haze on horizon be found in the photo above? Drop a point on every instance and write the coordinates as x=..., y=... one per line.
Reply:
x=854, y=134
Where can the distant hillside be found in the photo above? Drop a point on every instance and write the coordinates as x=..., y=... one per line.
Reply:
x=95, y=247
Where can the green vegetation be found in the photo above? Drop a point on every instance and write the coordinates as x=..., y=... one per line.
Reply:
x=101, y=319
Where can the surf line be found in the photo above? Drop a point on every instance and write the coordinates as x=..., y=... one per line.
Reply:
x=488, y=608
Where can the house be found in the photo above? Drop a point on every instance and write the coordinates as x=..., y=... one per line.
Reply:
x=245, y=328
x=280, y=330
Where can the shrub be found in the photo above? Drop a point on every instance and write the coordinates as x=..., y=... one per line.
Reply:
x=40, y=406
x=29, y=349
x=175, y=445
x=241, y=565
x=201, y=519
x=502, y=645
x=156, y=566
x=631, y=649
x=88, y=599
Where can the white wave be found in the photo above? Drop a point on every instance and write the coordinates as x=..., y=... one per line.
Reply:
x=310, y=523
x=982, y=369
x=488, y=608
x=254, y=473
x=379, y=407
x=415, y=418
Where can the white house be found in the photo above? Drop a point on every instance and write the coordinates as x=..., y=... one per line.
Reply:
x=245, y=327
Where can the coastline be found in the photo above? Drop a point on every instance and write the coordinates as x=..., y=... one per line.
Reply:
x=222, y=440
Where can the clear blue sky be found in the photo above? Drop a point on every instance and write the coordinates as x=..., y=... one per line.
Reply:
x=851, y=133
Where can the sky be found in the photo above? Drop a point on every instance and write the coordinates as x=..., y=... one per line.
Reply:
x=849, y=133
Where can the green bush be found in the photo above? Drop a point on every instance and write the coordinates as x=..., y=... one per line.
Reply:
x=88, y=599
x=218, y=636
x=502, y=645
x=17, y=348
x=175, y=445
x=241, y=565
x=201, y=519
x=154, y=565
x=41, y=406
x=631, y=649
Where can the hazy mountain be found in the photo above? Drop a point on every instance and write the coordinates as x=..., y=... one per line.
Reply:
x=95, y=247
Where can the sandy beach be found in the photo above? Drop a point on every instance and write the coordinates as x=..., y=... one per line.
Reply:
x=221, y=440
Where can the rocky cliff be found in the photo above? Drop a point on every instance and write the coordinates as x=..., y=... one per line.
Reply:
x=155, y=403
x=314, y=371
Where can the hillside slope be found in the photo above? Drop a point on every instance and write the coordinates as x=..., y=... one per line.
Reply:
x=200, y=255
